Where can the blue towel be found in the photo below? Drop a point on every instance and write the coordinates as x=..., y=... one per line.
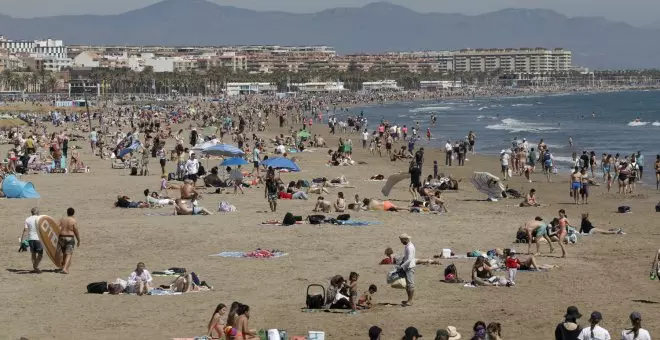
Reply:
x=357, y=223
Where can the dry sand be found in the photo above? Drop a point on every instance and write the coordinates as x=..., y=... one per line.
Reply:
x=601, y=272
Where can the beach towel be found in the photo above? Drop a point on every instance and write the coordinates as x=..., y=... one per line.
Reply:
x=159, y=214
x=336, y=311
x=356, y=223
x=162, y=292
x=259, y=254
x=279, y=224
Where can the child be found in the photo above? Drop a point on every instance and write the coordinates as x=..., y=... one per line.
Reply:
x=353, y=289
x=365, y=300
x=371, y=146
x=512, y=265
x=389, y=259
x=163, y=185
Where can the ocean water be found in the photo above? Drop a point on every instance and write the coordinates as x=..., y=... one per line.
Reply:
x=602, y=122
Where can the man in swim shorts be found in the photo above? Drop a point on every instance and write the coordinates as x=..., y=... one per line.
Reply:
x=576, y=184
x=66, y=242
x=31, y=236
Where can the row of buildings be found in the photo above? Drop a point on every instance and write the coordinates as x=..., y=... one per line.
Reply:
x=54, y=55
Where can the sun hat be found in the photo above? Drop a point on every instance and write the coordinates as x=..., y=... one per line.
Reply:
x=404, y=236
x=596, y=316
x=572, y=312
x=453, y=334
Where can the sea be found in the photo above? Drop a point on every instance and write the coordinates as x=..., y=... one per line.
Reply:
x=612, y=122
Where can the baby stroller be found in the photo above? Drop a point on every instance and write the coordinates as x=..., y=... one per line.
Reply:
x=315, y=301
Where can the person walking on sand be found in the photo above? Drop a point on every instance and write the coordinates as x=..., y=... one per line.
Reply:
x=407, y=267
x=66, y=242
x=31, y=237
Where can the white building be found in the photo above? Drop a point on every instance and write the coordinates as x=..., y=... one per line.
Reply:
x=320, y=86
x=52, y=53
x=381, y=85
x=524, y=60
x=435, y=85
x=234, y=89
x=162, y=64
x=86, y=59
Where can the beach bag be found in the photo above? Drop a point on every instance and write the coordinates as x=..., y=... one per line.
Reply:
x=623, y=209
x=134, y=171
x=400, y=283
x=288, y=219
x=521, y=237
x=393, y=275
x=315, y=219
x=343, y=217
x=225, y=206
x=315, y=301
x=97, y=287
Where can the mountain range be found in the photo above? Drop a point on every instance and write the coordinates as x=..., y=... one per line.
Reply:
x=377, y=27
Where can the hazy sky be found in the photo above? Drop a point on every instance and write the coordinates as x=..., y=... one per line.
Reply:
x=635, y=12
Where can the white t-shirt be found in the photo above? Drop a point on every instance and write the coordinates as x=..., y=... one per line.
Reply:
x=600, y=333
x=145, y=277
x=365, y=135
x=505, y=159
x=192, y=166
x=280, y=149
x=408, y=260
x=449, y=147
x=31, y=226
x=629, y=335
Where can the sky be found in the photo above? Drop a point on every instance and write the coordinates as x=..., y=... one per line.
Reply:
x=634, y=12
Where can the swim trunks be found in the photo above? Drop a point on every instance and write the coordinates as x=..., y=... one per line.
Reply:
x=66, y=244
x=542, y=230
x=576, y=186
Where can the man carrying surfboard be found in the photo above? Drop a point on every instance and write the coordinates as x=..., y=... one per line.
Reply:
x=31, y=236
x=66, y=242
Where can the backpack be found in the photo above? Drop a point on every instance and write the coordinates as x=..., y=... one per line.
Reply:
x=315, y=219
x=289, y=219
x=343, y=217
x=521, y=237
x=624, y=209
x=97, y=287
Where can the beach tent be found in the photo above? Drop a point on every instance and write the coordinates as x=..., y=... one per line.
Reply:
x=488, y=184
x=15, y=188
x=281, y=163
x=392, y=181
x=224, y=150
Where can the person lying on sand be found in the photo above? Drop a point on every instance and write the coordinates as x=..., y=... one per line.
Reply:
x=391, y=259
x=373, y=204
x=436, y=203
x=126, y=202
x=322, y=205
x=154, y=200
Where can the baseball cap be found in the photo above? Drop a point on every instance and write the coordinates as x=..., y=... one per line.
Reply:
x=596, y=316
x=635, y=316
x=411, y=332
x=374, y=332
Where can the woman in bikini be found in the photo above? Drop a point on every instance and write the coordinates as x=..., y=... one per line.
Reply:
x=243, y=332
x=563, y=230
x=657, y=172
x=216, y=324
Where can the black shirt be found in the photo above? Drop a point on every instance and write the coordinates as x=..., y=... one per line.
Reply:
x=561, y=333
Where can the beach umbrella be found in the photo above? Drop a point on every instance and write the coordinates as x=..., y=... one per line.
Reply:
x=234, y=161
x=488, y=184
x=202, y=146
x=304, y=134
x=129, y=149
x=225, y=150
x=281, y=163
x=392, y=181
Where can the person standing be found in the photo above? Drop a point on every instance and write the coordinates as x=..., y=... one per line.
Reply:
x=640, y=163
x=449, y=150
x=256, y=159
x=365, y=138
x=636, y=332
x=504, y=162
x=192, y=167
x=93, y=139
x=472, y=137
x=407, y=267
x=162, y=157
x=419, y=157
x=569, y=329
x=594, y=331
x=31, y=236
x=66, y=242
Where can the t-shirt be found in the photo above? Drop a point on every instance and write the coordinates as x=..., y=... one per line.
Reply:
x=145, y=276
x=512, y=263
x=93, y=136
x=505, y=159
x=561, y=333
x=408, y=261
x=365, y=135
x=31, y=226
x=192, y=166
x=630, y=335
x=600, y=333
x=255, y=155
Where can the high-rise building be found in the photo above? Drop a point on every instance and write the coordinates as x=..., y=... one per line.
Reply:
x=51, y=54
x=524, y=60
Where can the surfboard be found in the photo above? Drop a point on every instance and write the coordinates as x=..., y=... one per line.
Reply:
x=49, y=231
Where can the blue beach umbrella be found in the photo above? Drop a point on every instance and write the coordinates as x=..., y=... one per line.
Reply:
x=281, y=163
x=234, y=161
x=225, y=150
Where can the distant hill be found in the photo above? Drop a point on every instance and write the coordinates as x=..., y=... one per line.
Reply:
x=377, y=27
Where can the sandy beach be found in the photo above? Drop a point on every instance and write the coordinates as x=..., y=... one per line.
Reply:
x=601, y=272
